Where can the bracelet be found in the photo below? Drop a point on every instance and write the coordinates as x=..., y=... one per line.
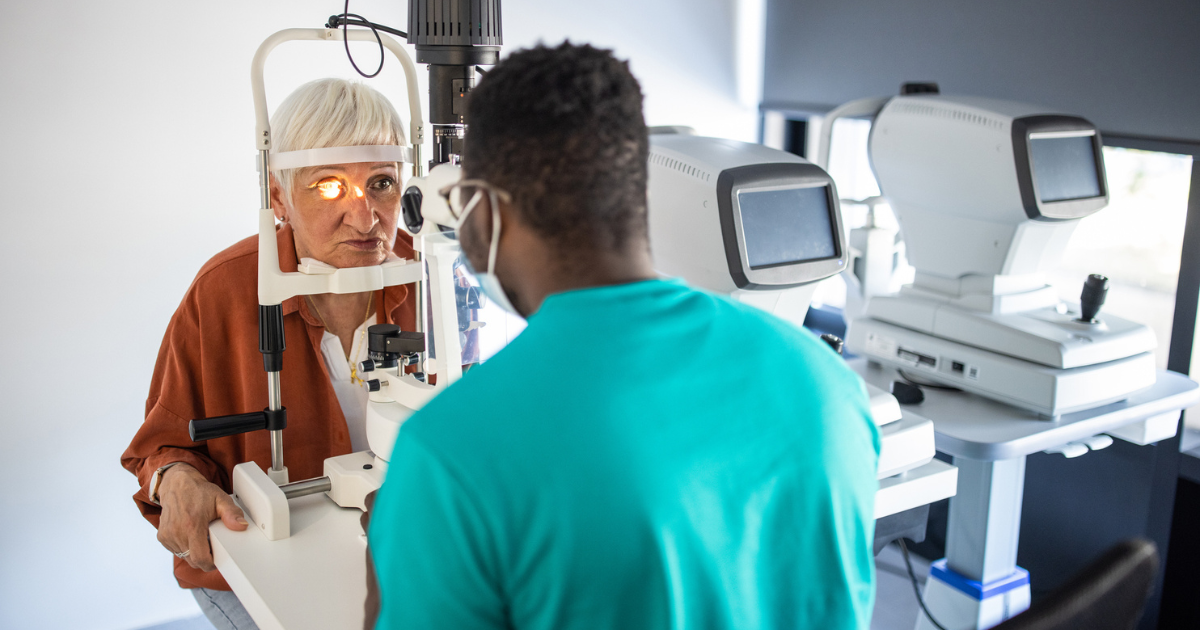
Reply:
x=156, y=481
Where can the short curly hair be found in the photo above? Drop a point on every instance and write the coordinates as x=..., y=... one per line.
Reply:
x=561, y=129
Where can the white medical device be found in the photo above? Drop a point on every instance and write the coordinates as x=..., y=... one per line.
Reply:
x=764, y=226
x=987, y=194
x=394, y=393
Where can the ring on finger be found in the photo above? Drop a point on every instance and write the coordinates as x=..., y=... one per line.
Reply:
x=183, y=554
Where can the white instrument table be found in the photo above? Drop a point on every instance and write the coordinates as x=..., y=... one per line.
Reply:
x=989, y=441
x=314, y=579
x=967, y=425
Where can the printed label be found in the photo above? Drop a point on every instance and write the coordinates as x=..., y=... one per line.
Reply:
x=881, y=345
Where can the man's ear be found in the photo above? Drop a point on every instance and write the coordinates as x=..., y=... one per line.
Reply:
x=277, y=200
x=478, y=235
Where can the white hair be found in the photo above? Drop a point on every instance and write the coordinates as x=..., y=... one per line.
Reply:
x=332, y=113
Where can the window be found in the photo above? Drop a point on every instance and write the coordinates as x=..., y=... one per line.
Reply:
x=1136, y=241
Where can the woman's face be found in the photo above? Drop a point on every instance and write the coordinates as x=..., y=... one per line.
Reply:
x=343, y=215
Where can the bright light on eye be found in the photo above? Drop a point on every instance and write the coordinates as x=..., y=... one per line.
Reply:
x=329, y=189
x=358, y=192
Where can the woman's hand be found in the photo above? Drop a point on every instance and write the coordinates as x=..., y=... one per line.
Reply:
x=189, y=503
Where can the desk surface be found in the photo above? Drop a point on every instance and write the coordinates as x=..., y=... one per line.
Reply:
x=314, y=579
x=967, y=425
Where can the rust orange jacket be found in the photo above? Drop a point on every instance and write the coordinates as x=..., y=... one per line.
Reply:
x=209, y=365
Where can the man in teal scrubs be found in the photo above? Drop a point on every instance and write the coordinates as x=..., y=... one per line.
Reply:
x=644, y=454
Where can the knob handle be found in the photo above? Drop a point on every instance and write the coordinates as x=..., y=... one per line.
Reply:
x=834, y=341
x=1095, y=290
x=224, y=426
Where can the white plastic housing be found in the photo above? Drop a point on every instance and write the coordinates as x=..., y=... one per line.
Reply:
x=1043, y=389
x=265, y=505
x=957, y=172
x=696, y=227
x=352, y=477
x=1049, y=336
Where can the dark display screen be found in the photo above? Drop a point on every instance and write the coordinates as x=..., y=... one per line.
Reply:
x=787, y=226
x=1064, y=168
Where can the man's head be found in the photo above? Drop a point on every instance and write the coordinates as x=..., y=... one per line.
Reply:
x=561, y=131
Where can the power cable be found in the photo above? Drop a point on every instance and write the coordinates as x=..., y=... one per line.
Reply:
x=916, y=587
x=345, y=21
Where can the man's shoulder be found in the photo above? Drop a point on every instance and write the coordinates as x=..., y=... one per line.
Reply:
x=768, y=328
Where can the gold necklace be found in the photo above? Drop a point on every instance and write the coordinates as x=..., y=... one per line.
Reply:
x=354, y=379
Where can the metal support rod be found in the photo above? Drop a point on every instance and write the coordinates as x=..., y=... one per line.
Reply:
x=422, y=307
x=264, y=179
x=273, y=403
x=306, y=487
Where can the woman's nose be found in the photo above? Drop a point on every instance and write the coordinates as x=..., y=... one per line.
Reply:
x=360, y=215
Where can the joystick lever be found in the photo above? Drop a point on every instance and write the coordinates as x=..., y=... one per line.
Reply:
x=1095, y=290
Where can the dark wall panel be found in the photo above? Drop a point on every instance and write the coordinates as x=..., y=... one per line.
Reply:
x=1133, y=68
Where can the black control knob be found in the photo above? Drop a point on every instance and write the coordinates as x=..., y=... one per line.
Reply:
x=1095, y=290
x=366, y=366
x=377, y=336
x=372, y=385
x=834, y=341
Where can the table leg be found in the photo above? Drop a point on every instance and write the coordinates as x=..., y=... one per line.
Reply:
x=979, y=584
x=985, y=518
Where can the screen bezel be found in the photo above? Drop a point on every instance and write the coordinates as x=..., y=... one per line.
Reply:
x=1024, y=130
x=777, y=176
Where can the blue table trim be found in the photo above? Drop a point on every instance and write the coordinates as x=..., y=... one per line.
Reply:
x=978, y=590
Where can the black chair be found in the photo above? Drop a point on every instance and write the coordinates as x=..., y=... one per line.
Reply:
x=1108, y=595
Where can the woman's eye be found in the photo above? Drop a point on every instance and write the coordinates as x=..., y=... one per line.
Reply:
x=383, y=183
x=329, y=189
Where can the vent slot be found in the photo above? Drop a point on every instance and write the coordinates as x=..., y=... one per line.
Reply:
x=680, y=166
x=964, y=116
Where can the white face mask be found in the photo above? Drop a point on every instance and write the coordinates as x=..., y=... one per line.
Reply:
x=489, y=283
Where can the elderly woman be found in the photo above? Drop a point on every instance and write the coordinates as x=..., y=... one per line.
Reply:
x=209, y=365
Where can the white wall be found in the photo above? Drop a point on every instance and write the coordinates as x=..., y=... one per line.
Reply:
x=125, y=162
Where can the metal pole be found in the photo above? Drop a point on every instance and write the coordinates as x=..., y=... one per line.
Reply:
x=264, y=179
x=273, y=403
x=273, y=393
x=306, y=487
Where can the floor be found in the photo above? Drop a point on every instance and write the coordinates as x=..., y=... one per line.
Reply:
x=895, y=605
x=199, y=622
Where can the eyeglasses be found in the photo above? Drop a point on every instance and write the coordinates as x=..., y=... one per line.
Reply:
x=463, y=196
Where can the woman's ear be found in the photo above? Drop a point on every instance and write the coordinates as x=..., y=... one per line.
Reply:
x=277, y=200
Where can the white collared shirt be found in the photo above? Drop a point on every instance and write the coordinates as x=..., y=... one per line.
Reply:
x=352, y=397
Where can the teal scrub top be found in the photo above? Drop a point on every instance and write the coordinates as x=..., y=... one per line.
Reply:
x=644, y=455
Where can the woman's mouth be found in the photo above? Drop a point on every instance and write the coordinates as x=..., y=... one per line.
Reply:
x=364, y=244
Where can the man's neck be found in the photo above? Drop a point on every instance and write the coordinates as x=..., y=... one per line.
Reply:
x=585, y=270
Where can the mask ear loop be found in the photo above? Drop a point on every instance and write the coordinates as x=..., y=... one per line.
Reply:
x=495, y=248
x=462, y=217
